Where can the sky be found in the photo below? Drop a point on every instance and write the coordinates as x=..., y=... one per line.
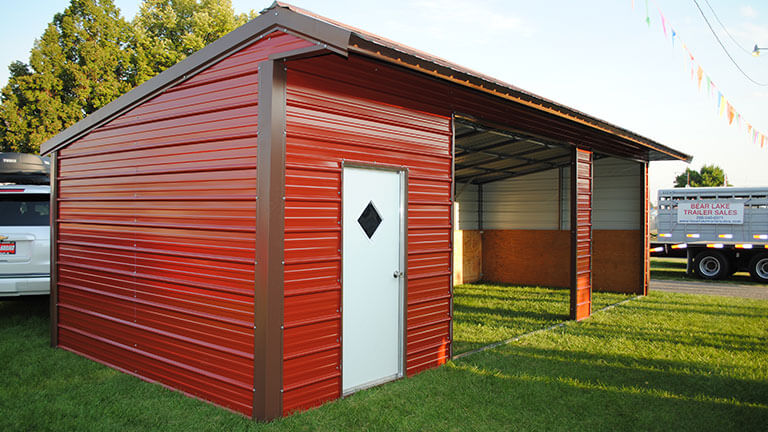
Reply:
x=598, y=56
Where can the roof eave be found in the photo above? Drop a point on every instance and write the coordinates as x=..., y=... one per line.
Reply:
x=330, y=37
x=361, y=45
x=341, y=39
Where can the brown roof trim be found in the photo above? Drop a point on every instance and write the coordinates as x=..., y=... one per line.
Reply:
x=372, y=45
x=497, y=88
x=330, y=37
x=340, y=38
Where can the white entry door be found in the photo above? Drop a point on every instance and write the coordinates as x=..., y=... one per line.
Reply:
x=373, y=266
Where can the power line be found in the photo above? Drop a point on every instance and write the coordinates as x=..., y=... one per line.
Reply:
x=724, y=48
x=726, y=30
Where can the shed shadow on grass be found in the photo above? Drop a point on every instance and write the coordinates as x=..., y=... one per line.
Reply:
x=486, y=313
x=577, y=390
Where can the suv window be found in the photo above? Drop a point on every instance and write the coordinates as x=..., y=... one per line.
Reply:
x=24, y=210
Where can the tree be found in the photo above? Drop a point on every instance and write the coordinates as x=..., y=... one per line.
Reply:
x=710, y=175
x=89, y=55
x=167, y=31
x=80, y=64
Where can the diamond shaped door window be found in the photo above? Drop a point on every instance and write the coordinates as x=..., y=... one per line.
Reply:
x=369, y=220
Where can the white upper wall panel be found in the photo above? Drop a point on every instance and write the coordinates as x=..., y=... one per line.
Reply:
x=527, y=202
x=466, y=198
x=617, y=195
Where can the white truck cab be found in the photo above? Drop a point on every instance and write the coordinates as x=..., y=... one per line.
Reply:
x=24, y=226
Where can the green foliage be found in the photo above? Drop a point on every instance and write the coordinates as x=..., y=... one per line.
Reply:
x=167, y=31
x=710, y=175
x=76, y=67
x=89, y=55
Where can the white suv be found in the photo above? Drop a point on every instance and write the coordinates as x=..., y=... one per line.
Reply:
x=24, y=237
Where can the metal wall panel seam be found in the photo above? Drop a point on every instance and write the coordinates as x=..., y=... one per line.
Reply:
x=268, y=297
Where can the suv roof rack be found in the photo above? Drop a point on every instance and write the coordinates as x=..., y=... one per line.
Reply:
x=24, y=168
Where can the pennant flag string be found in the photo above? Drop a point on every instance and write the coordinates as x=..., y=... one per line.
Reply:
x=698, y=74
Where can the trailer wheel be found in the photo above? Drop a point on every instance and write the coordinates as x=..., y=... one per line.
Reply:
x=758, y=268
x=712, y=265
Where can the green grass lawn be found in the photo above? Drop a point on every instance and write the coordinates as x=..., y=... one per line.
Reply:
x=664, y=362
x=490, y=313
x=674, y=268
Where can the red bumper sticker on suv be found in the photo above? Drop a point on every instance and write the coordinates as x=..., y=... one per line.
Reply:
x=7, y=248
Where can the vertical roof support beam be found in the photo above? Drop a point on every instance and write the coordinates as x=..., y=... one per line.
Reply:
x=581, y=234
x=270, y=238
x=646, y=269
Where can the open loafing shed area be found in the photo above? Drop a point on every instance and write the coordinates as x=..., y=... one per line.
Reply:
x=269, y=224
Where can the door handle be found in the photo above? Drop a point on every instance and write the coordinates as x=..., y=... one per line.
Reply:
x=397, y=274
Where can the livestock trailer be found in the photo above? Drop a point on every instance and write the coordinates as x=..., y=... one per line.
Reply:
x=269, y=224
x=720, y=230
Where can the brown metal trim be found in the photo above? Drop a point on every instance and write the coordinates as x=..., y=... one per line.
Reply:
x=396, y=54
x=331, y=37
x=453, y=228
x=574, y=232
x=340, y=38
x=270, y=236
x=301, y=53
x=646, y=237
x=54, y=251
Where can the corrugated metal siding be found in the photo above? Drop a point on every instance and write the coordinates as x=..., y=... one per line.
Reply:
x=581, y=296
x=156, y=234
x=527, y=202
x=344, y=110
x=617, y=198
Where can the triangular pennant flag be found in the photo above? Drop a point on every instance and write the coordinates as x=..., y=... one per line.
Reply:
x=730, y=113
x=699, y=74
x=663, y=23
x=674, y=33
x=709, y=86
x=647, y=16
x=720, y=103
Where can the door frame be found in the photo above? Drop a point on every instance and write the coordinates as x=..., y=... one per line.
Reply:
x=402, y=321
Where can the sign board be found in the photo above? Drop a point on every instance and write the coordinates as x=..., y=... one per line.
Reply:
x=710, y=212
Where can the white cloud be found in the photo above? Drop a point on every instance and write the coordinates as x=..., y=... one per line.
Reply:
x=748, y=12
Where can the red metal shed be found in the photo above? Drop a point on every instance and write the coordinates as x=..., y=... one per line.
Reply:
x=267, y=225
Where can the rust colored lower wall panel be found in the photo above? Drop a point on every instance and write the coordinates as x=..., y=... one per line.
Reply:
x=617, y=260
x=527, y=257
x=538, y=257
